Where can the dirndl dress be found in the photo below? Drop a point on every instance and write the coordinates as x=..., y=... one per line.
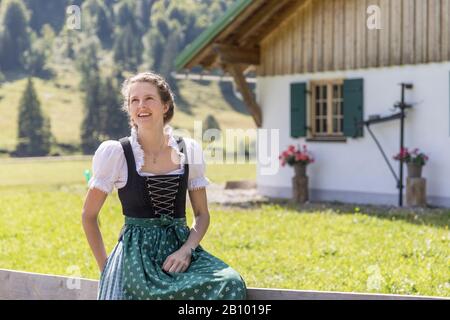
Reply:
x=155, y=226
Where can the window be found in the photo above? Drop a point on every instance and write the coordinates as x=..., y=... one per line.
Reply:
x=331, y=110
x=327, y=114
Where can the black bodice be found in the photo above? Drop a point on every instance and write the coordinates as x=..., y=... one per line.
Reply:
x=153, y=196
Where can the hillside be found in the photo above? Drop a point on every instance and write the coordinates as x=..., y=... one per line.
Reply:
x=61, y=100
x=67, y=62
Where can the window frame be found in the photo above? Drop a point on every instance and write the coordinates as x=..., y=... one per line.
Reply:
x=329, y=135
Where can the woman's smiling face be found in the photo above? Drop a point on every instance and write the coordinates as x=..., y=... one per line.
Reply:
x=145, y=105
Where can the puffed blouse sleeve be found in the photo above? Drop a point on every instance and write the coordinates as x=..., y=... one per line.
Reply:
x=108, y=167
x=197, y=165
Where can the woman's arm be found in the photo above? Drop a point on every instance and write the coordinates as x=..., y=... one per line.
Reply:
x=180, y=260
x=92, y=205
x=201, y=214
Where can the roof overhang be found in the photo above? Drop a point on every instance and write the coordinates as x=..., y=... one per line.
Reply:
x=236, y=36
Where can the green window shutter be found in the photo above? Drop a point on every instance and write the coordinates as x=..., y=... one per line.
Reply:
x=298, y=109
x=353, y=107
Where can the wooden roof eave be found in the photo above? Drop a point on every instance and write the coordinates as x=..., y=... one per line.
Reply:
x=235, y=47
x=200, y=48
x=251, y=31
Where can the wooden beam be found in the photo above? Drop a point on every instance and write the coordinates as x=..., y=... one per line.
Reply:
x=290, y=8
x=16, y=285
x=208, y=61
x=284, y=294
x=252, y=25
x=234, y=54
x=237, y=72
x=233, y=32
x=241, y=18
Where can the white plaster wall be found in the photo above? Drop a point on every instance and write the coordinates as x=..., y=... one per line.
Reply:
x=357, y=166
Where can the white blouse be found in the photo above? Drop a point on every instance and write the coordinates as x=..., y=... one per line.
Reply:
x=109, y=166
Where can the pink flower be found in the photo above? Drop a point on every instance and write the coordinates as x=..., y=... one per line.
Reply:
x=293, y=155
x=411, y=157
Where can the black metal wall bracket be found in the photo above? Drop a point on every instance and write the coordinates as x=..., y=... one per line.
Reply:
x=402, y=106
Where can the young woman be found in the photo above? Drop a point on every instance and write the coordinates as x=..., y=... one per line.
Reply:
x=157, y=255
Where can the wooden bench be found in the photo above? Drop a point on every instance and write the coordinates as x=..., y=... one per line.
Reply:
x=16, y=285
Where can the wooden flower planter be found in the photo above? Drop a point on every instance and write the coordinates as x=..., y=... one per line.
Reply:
x=300, y=184
x=415, y=186
x=414, y=170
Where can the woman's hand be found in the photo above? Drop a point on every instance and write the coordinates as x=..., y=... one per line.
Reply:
x=178, y=261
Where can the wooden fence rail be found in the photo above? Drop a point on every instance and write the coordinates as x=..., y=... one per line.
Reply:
x=17, y=285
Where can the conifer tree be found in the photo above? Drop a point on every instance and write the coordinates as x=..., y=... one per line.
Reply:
x=14, y=38
x=114, y=119
x=91, y=86
x=91, y=125
x=128, y=45
x=34, y=127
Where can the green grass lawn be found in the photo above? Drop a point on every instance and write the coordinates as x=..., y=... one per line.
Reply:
x=271, y=245
x=17, y=172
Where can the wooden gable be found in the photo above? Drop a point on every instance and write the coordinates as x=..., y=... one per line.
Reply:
x=325, y=35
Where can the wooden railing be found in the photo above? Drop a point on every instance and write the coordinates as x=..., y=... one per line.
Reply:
x=34, y=286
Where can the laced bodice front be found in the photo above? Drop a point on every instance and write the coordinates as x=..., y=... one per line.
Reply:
x=163, y=191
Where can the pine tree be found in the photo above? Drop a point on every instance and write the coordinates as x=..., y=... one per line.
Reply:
x=14, y=39
x=128, y=45
x=91, y=86
x=154, y=49
x=87, y=59
x=98, y=21
x=91, y=125
x=36, y=57
x=34, y=128
x=143, y=10
x=128, y=49
x=114, y=120
x=65, y=44
x=52, y=12
x=170, y=53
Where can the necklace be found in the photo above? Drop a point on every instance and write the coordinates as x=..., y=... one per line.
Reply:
x=155, y=157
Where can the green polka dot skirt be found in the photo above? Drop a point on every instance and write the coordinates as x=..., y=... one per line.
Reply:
x=134, y=271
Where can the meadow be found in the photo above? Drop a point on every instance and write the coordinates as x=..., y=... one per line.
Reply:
x=62, y=102
x=274, y=245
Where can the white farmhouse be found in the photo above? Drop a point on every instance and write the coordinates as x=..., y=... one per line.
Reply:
x=324, y=67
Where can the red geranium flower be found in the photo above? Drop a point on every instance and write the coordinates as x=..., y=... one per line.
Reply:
x=293, y=155
x=415, y=156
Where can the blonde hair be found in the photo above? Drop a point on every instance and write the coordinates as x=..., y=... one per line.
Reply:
x=165, y=93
